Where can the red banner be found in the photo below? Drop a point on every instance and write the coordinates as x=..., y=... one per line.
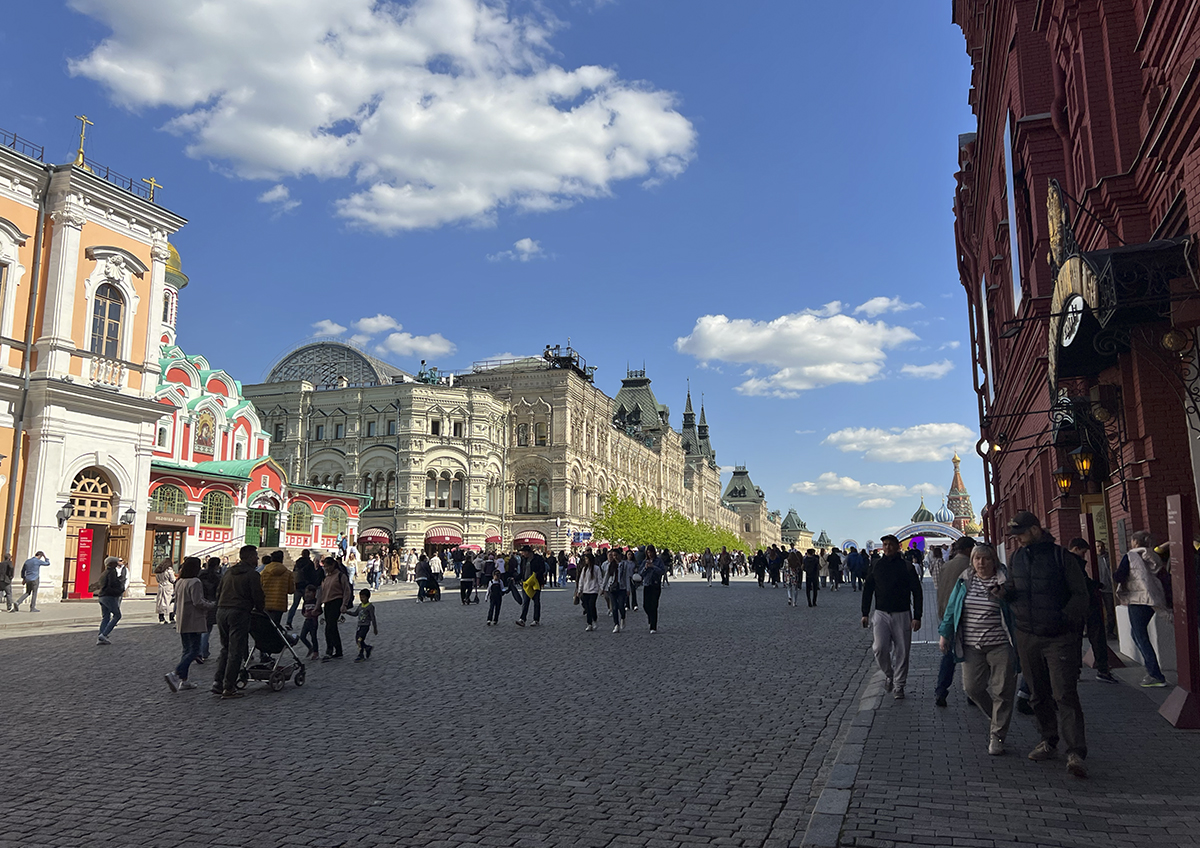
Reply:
x=83, y=564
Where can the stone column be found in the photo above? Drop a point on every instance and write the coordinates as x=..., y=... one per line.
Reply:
x=159, y=254
x=55, y=343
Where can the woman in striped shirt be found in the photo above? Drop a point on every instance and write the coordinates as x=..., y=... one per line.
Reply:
x=977, y=627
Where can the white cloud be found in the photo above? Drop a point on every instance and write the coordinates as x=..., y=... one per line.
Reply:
x=877, y=503
x=440, y=111
x=523, y=250
x=376, y=324
x=954, y=345
x=406, y=344
x=879, y=305
x=830, y=483
x=922, y=443
x=359, y=340
x=807, y=349
x=326, y=327
x=805, y=432
x=280, y=197
x=932, y=371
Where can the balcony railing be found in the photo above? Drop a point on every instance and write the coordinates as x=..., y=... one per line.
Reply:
x=108, y=373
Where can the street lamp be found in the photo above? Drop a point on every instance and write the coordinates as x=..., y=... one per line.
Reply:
x=129, y=515
x=64, y=513
x=1082, y=457
x=1063, y=479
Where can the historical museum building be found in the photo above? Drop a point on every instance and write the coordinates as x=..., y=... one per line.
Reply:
x=760, y=527
x=112, y=440
x=510, y=452
x=1076, y=210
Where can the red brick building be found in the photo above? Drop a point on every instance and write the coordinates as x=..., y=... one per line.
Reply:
x=1077, y=207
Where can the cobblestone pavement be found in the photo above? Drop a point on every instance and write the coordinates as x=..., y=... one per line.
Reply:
x=719, y=730
x=925, y=777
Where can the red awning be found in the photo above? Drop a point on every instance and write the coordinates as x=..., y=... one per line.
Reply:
x=443, y=536
x=492, y=540
x=530, y=537
x=375, y=534
x=475, y=548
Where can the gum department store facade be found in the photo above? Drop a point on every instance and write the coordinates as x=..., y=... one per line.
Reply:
x=510, y=452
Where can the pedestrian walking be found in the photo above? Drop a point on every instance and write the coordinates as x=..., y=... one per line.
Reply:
x=1049, y=600
x=336, y=598
x=366, y=623
x=466, y=582
x=239, y=594
x=1094, y=626
x=164, y=602
x=191, y=614
x=210, y=579
x=108, y=595
x=653, y=569
x=31, y=576
x=795, y=575
x=532, y=587
x=1139, y=589
x=709, y=563
x=616, y=583
x=7, y=572
x=812, y=576
x=632, y=564
x=310, y=613
x=587, y=588
x=724, y=562
x=278, y=582
x=424, y=577
x=1106, y=589
x=304, y=574
x=977, y=630
x=948, y=574
x=896, y=589
x=495, y=596
x=856, y=565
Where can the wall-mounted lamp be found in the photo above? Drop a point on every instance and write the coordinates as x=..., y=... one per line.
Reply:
x=1174, y=340
x=64, y=512
x=129, y=516
x=1063, y=479
x=1082, y=457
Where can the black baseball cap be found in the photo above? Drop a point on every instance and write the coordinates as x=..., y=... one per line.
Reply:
x=1022, y=521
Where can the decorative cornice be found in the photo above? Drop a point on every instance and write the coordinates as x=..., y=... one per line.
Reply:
x=68, y=211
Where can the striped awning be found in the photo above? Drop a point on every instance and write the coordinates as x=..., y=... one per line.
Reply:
x=530, y=537
x=443, y=536
x=492, y=540
x=474, y=548
x=375, y=534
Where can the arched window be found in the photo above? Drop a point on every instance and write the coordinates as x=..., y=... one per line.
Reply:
x=92, y=495
x=543, y=497
x=162, y=436
x=166, y=308
x=168, y=499
x=316, y=481
x=217, y=510
x=520, y=507
x=335, y=521
x=523, y=435
x=531, y=496
x=367, y=488
x=106, y=321
x=539, y=434
x=337, y=482
x=430, y=489
x=299, y=518
x=237, y=451
x=443, y=492
x=456, y=492
x=390, y=489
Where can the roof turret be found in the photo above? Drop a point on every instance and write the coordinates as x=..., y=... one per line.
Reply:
x=923, y=515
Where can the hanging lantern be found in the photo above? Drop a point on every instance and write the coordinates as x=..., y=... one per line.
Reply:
x=1082, y=457
x=1063, y=479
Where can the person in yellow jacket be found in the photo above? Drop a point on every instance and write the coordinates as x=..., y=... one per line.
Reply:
x=278, y=583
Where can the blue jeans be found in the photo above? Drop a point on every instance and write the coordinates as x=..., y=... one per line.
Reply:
x=945, y=674
x=537, y=606
x=110, y=613
x=191, y=650
x=617, y=598
x=297, y=599
x=1139, y=623
x=204, y=638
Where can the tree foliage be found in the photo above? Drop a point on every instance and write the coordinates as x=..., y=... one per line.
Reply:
x=627, y=522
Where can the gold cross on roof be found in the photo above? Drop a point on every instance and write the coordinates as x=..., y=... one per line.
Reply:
x=153, y=185
x=84, y=123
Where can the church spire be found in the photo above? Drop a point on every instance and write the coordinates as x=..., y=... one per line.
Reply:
x=687, y=409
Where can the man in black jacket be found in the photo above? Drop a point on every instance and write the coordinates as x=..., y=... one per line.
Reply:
x=240, y=592
x=896, y=588
x=306, y=575
x=537, y=568
x=1048, y=595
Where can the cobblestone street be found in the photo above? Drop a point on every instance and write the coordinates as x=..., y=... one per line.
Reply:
x=715, y=731
x=731, y=726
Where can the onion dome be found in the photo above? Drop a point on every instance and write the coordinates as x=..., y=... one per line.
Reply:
x=175, y=276
x=944, y=515
x=922, y=515
x=973, y=528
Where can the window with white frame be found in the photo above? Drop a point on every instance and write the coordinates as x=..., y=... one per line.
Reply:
x=108, y=311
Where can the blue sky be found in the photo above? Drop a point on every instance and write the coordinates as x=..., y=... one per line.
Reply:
x=754, y=196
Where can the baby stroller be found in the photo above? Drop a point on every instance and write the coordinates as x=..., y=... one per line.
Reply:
x=268, y=639
x=432, y=590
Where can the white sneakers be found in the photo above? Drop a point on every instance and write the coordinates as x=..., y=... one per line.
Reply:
x=652, y=632
x=616, y=628
x=172, y=680
x=589, y=628
x=102, y=640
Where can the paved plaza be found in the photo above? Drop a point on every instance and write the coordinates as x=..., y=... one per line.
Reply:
x=729, y=727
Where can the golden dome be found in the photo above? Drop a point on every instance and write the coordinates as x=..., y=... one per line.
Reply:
x=972, y=528
x=174, y=263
